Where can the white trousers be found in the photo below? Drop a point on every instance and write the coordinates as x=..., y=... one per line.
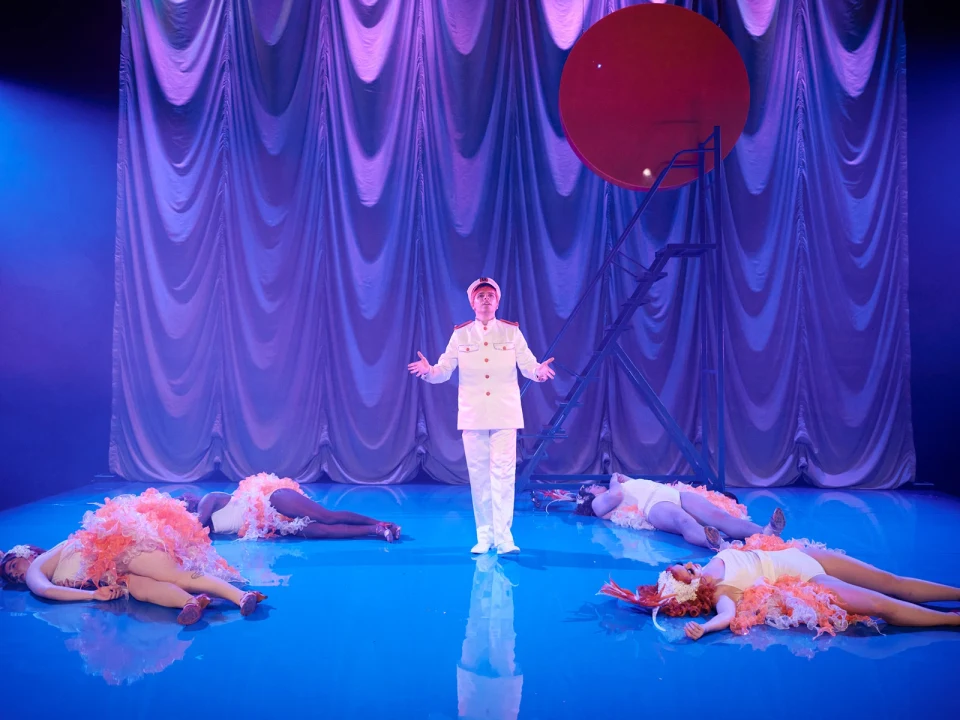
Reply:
x=492, y=464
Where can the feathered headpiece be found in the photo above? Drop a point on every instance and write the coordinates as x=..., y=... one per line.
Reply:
x=21, y=551
x=538, y=497
x=675, y=597
x=17, y=551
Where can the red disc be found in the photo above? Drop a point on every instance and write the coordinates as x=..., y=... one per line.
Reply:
x=645, y=82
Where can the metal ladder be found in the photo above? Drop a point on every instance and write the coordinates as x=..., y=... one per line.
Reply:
x=609, y=347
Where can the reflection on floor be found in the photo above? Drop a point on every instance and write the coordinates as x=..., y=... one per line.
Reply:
x=420, y=629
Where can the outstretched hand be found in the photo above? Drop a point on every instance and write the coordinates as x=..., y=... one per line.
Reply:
x=419, y=368
x=545, y=372
x=693, y=630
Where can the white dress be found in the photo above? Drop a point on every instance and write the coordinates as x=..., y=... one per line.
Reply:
x=639, y=496
x=647, y=493
x=743, y=568
x=70, y=567
x=228, y=519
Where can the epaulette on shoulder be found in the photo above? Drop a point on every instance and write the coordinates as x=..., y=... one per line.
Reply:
x=463, y=325
x=510, y=322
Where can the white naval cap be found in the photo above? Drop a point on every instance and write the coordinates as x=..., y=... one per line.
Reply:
x=476, y=284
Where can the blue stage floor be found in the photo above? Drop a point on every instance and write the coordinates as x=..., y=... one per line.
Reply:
x=420, y=629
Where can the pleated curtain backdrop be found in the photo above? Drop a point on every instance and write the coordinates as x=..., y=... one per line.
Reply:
x=306, y=188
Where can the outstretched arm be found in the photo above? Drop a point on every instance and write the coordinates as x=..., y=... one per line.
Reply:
x=444, y=368
x=527, y=362
x=39, y=574
x=726, y=610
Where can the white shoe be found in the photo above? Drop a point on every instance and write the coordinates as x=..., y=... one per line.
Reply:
x=486, y=563
x=507, y=548
x=480, y=548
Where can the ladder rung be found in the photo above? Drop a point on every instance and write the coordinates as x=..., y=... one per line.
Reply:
x=563, y=367
x=640, y=265
x=558, y=480
x=685, y=249
x=628, y=272
x=577, y=375
x=546, y=436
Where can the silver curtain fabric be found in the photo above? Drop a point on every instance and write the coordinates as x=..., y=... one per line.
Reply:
x=306, y=188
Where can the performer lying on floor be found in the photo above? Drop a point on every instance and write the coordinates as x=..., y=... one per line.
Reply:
x=147, y=545
x=695, y=513
x=788, y=584
x=266, y=506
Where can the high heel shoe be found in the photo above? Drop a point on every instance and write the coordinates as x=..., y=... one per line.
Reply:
x=713, y=537
x=777, y=523
x=193, y=610
x=384, y=530
x=249, y=601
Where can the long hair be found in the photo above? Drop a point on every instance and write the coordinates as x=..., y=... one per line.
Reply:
x=14, y=553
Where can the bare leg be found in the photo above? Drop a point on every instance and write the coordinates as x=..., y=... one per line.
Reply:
x=706, y=513
x=896, y=612
x=319, y=531
x=168, y=595
x=294, y=505
x=859, y=573
x=161, y=567
x=674, y=519
x=154, y=592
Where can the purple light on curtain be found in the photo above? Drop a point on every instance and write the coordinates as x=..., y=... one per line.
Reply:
x=305, y=189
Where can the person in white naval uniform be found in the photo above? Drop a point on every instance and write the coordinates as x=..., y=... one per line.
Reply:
x=488, y=352
x=489, y=678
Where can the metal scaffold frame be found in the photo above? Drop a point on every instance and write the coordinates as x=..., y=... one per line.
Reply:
x=703, y=471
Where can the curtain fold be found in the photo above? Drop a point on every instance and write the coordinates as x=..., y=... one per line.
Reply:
x=305, y=190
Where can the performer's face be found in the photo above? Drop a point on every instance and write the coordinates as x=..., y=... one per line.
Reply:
x=485, y=301
x=685, y=573
x=16, y=568
x=596, y=489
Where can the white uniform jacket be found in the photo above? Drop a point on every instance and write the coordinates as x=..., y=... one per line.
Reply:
x=489, y=397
